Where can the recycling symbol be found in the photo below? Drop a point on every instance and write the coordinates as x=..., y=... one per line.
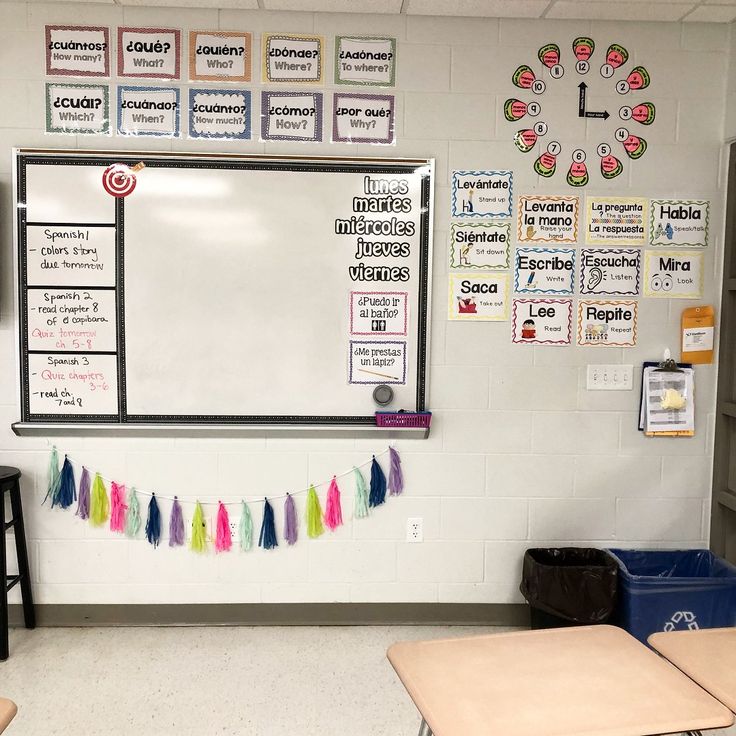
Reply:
x=682, y=620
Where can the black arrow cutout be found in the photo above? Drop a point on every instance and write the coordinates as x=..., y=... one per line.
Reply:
x=581, y=99
x=603, y=115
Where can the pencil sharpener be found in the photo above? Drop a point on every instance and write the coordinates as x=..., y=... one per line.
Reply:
x=383, y=395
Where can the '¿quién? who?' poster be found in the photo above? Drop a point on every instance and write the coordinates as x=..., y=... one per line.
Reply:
x=220, y=56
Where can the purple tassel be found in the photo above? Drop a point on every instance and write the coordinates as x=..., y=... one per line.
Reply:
x=377, y=493
x=153, y=524
x=395, y=474
x=290, y=525
x=268, y=529
x=176, y=525
x=83, y=500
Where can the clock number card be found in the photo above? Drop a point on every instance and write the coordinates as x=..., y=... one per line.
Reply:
x=219, y=56
x=607, y=324
x=77, y=51
x=616, y=221
x=544, y=270
x=673, y=275
x=292, y=58
x=679, y=222
x=482, y=193
x=542, y=321
x=480, y=244
x=478, y=297
x=547, y=219
x=365, y=61
x=153, y=53
x=613, y=272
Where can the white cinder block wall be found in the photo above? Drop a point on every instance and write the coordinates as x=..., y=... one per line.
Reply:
x=520, y=454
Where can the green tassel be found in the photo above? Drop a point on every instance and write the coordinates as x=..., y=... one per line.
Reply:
x=314, y=515
x=199, y=530
x=54, y=476
x=99, y=505
x=133, y=517
x=246, y=528
x=361, y=495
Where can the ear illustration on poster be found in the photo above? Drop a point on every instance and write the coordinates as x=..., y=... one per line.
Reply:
x=611, y=272
x=542, y=321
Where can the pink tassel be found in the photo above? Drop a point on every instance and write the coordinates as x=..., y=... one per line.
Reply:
x=224, y=538
x=333, y=512
x=118, y=508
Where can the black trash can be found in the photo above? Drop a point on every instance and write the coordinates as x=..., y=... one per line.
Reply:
x=569, y=586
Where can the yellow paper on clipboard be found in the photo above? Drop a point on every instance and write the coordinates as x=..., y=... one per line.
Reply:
x=697, y=334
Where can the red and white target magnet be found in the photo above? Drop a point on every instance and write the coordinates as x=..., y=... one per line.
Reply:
x=119, y=180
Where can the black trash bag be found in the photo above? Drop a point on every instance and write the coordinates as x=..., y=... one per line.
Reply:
x=575, y=584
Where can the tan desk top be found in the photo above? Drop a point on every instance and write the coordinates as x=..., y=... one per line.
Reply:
x=7, y=713
x=583, y=681
x=708, y=656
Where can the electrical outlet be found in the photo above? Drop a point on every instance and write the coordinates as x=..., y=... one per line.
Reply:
x=610, y=377
x=234, y=525
x=415, y=529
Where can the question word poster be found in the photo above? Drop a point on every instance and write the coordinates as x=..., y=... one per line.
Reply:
x=544, y=270
x=291, y=116
x=542, y=321
x=482, y=194
x=673, y=275
x=220, y=56
x=480, y=244
x=613, y=272
x=222, y=114
x=363, y=118
x=679, y=222
x=607, y=324
x=148, y=111
x=478, y=297
x=616, y=221
x=77, y=51
x=379, y=312
x=152, y=53
x=377, y=361
x=547, y=219
x=79, y=109
x=292, y=58
x=365, y=61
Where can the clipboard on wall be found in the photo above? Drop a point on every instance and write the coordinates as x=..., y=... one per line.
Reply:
x=685, y=384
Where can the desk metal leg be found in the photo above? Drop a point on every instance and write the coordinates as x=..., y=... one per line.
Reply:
x=693, y=733
x=424, y=729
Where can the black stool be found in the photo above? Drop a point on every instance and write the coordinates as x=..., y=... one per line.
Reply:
x=10, y=482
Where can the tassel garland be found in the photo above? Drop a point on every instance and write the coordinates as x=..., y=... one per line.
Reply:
x=66, y=490
x=378, y=484
x=133, y=517
x=361, y=495
x=117, y=507
x=224, y=537
x=267, y=539
x=246, y=528
x=83, y=500
x=290, y=525
x=53, y=475
x=153, y=524
x=395, y=474
x=314, y=515
x=98, y=505
x=199, y=530
x=333, y=511
x=176, y=525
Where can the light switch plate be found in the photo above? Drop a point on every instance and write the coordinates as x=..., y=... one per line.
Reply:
x=610, y=377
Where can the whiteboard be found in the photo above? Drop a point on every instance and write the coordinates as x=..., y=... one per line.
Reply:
x=222, y=289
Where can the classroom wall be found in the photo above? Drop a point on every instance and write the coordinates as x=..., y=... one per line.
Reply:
x=520, y=453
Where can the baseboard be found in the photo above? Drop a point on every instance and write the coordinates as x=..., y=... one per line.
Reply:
x=277, y=614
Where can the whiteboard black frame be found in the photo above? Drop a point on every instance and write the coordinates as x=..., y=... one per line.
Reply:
x=23, y=157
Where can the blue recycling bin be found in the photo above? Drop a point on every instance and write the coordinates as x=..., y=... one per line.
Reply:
x=669, y=590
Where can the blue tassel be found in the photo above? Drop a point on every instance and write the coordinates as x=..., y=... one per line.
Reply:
x=267, y=539
x=378, y=484
x=66, y=489
x=153, y=523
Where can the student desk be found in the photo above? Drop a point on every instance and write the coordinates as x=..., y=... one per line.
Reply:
x=707, y=656
x=582, y=681
x=7, y=713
